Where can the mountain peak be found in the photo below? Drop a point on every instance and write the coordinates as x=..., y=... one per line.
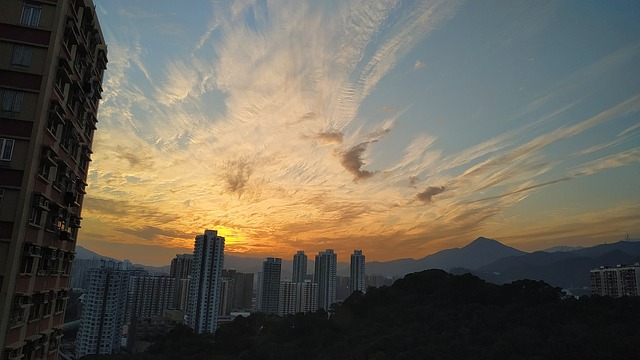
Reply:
x=483, y=241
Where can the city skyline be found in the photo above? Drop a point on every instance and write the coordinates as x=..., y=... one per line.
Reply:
x=401, y=130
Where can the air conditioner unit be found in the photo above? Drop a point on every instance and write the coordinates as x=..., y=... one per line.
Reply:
x=32, y=250
x=50, y=155
x=43, y=202
x=69, y=198
x=65, y=235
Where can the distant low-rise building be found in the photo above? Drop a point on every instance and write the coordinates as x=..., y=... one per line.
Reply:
x=378, y=280
x=616, y=281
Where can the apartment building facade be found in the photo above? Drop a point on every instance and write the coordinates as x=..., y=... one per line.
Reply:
x=206, y=282
x=52, y=60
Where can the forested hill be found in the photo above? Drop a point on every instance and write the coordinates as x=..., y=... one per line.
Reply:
x=429, y=315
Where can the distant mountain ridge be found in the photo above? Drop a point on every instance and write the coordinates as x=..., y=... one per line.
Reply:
x=84, y=253
x=565, y=269
x=482, y=251
x=484, y=257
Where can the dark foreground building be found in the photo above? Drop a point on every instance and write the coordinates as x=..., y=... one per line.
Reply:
x=52, y=59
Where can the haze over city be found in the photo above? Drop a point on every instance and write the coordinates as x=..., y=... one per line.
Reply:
x=397, y=128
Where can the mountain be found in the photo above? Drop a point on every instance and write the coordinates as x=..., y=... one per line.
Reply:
x=84, y=253
x=486, y=258
x=480, y=252
x=563, y=248
x=565, y=269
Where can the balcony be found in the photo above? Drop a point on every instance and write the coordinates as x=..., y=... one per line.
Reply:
x=70, y=198
x=102, y=57
x=64, y=235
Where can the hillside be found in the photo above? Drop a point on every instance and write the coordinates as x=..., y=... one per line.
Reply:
x=569, y=269
x=427, y=315
x=480, y=252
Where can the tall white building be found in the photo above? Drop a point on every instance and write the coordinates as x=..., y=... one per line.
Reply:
x=357, y=276
x=103, y=312
x=206, y=281
x=325, y=277
x=270, y=285
x=616, y=281
x=299, y=267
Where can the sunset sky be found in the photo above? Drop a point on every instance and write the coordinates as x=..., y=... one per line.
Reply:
x=397, y=127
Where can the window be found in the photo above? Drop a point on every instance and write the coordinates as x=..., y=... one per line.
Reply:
x=52, y=126
x=26, y=265
x=21, y=55
x=16, y=316
x=6, y=149
x=12, y=101
x=1, y=195
x=35, y=218
x=30, y=14
x=34, y=311
x=44, y=169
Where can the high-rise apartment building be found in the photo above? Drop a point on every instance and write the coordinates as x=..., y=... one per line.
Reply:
x=325, y=277
x=80, y=272
x=103, y=312
x=616, y=281
x=237, y=291
x=296, y=297
x=357, y=275
x=226, y=294
x=181, y=266
x=206, y=282
x=149, y=296
x=288, y=303
x=343, y=288
x=52, y=59
x=181, y=271
x=299, y=267
x=270, y=285
x=181, y=294
x=243, y=291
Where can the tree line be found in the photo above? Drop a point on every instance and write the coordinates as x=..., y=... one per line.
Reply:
x=426, y=315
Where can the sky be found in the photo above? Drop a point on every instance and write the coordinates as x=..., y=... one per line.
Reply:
x=397, y=127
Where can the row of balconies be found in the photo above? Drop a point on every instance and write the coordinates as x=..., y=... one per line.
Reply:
x=47, y=261
x=81, y=27
x=62, y=112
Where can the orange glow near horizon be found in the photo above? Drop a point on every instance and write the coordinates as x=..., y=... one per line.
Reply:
x=333, y=125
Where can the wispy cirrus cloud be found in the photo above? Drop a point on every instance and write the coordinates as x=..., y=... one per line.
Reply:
x=264, y=130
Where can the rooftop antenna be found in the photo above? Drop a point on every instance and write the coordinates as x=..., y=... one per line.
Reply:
x=626, y=237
